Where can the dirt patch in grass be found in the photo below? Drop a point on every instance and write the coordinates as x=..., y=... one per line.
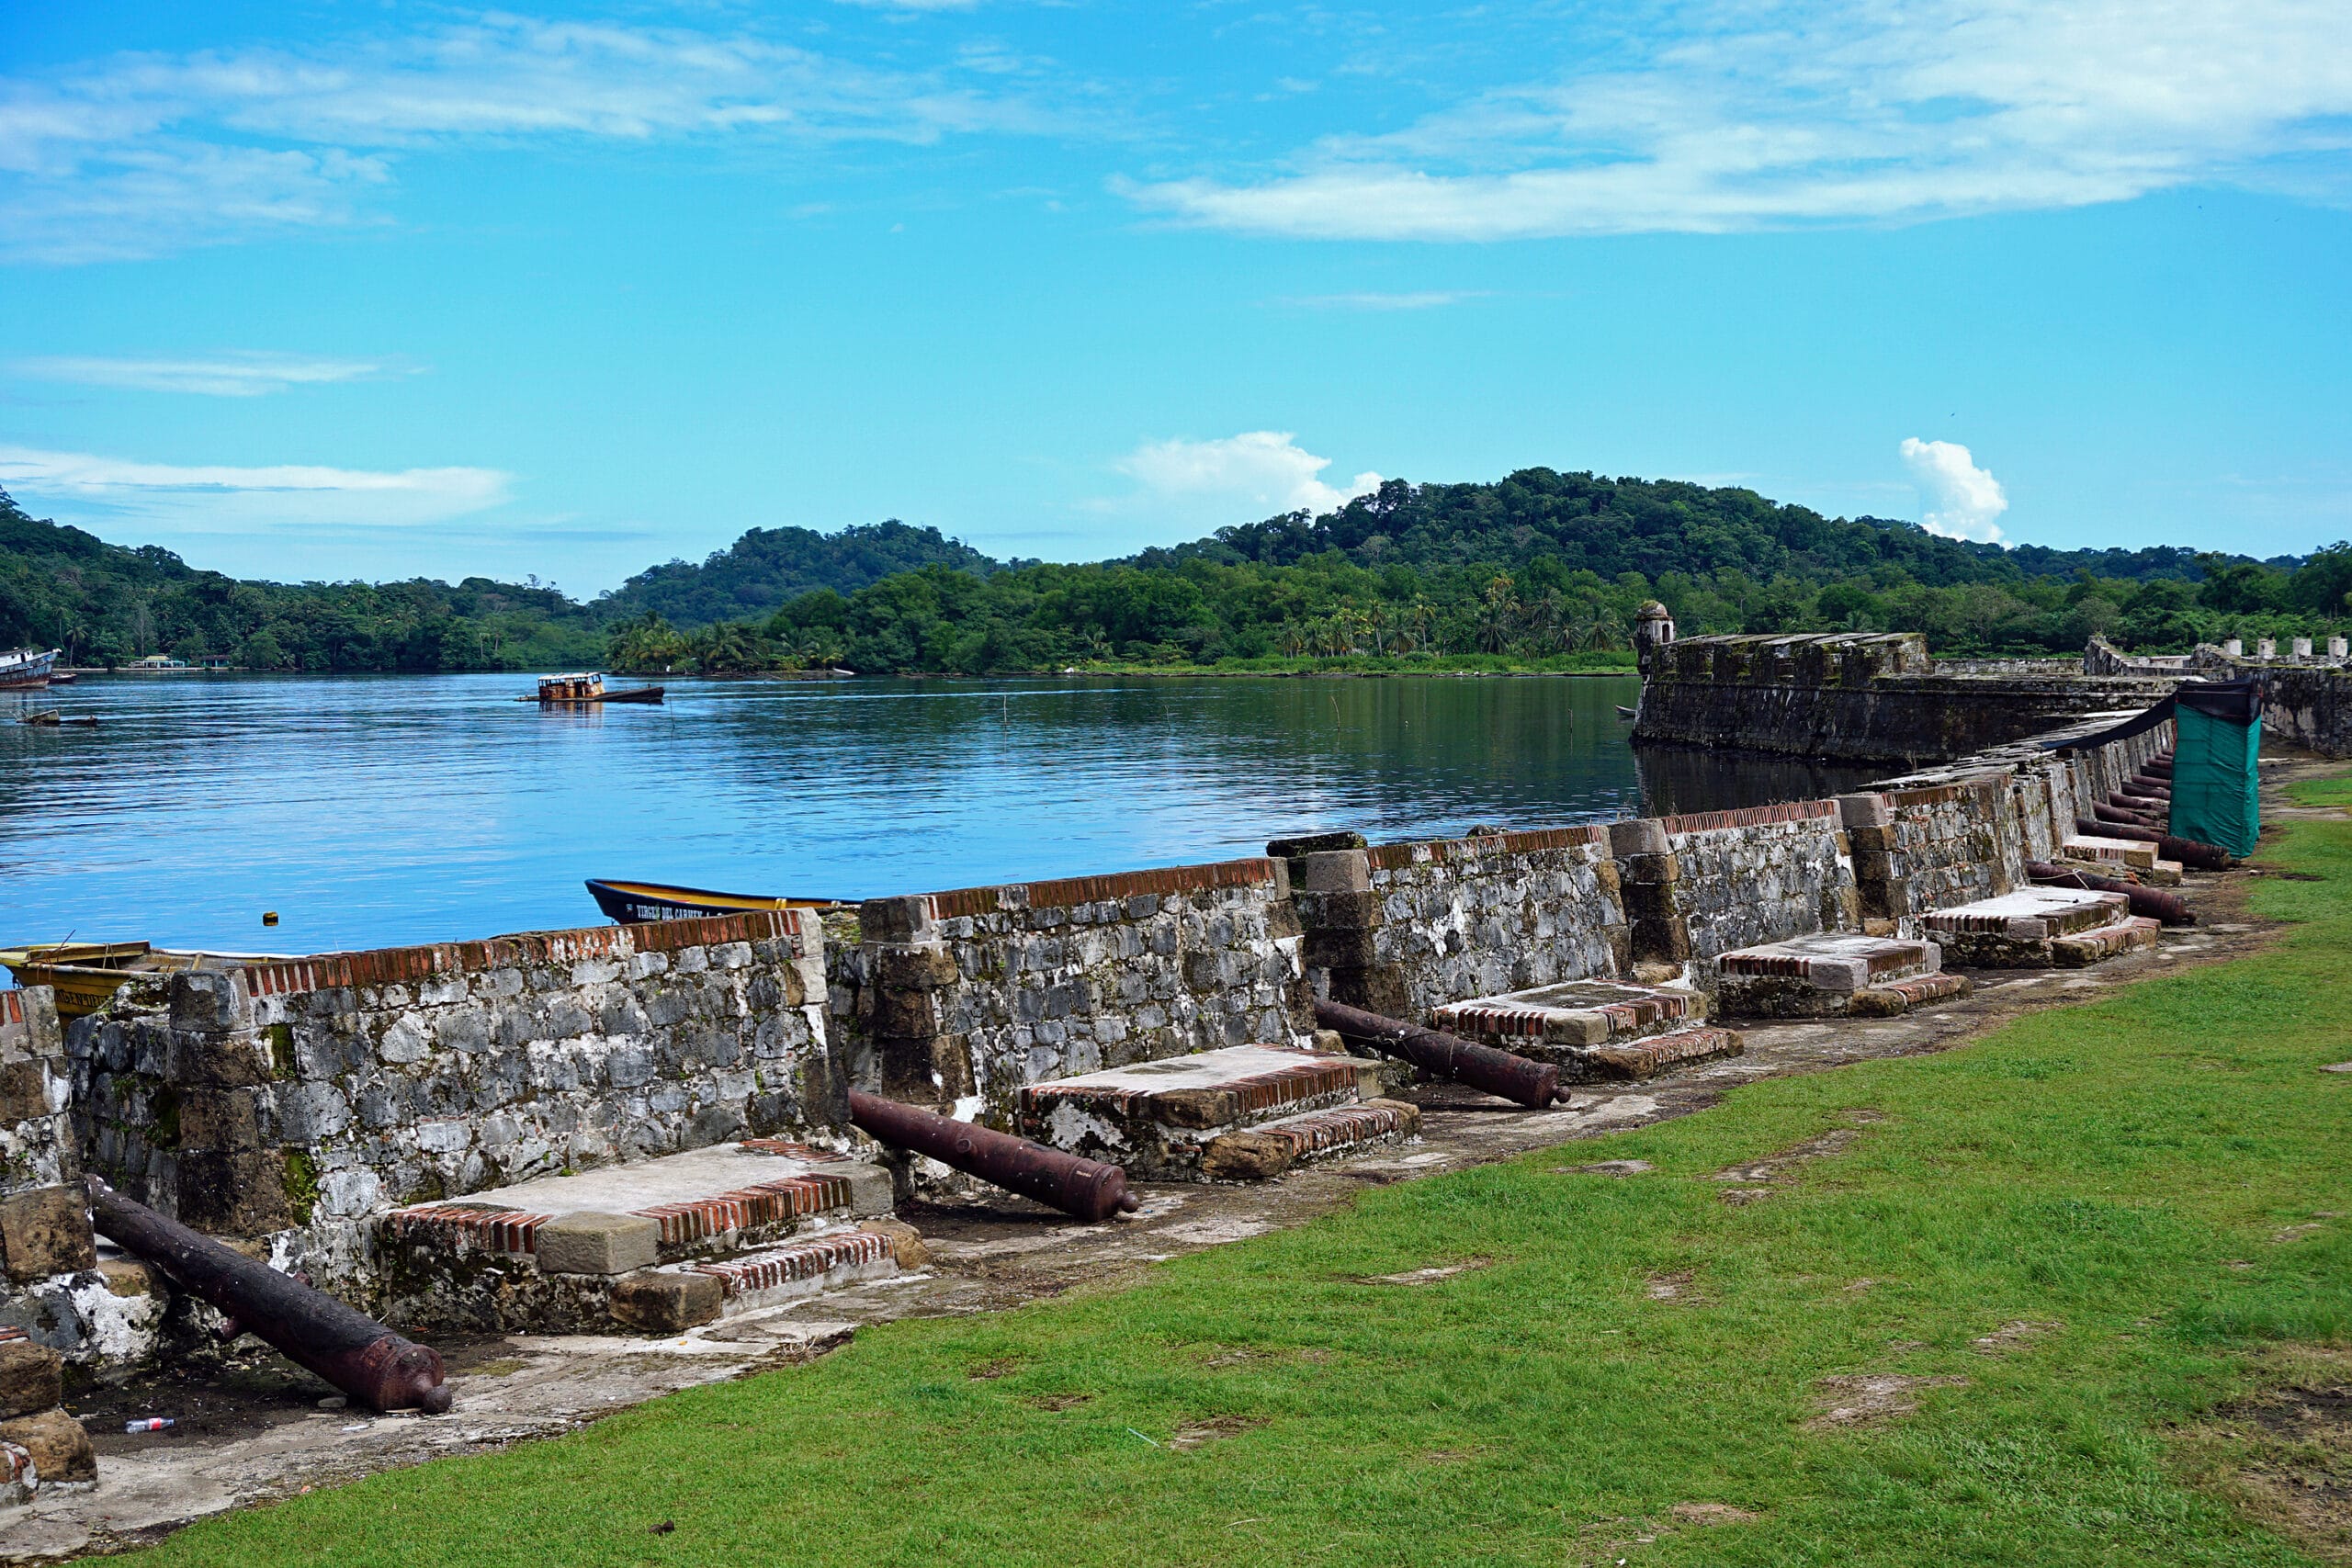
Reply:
x=1865, y=1398
x=1425, y=1275
x=2283, y=1458
x=2010, y=1336
x=1607, y=1168
x=1674, y=1287
x=1198, y=1434
x=1002, y=1366
x=1713, y=1514
x=1057, y=1401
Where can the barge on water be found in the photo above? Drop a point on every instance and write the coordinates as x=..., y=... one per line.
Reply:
x=586, y=690
x=26, y=669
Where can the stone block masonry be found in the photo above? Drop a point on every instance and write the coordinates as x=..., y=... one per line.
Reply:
x=1865, y=697
x=961, y=998
x=1401, y=930
x=295, y=1099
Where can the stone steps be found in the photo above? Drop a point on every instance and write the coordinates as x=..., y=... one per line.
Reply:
x=1242, y=1113
x=2039, y=927
x=1596, y=1031
x=569, y=1254
x=1833, y=974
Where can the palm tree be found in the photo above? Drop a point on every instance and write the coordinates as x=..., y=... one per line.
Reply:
x=1498, y=609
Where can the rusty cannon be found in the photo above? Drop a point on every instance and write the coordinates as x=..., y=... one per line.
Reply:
x=2152, y=902
x=1532, y=1084
x=346, y=1347
x=1083, y=1188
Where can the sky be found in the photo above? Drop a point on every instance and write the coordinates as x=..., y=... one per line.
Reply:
x=337, y=290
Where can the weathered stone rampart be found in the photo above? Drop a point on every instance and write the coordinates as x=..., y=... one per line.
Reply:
x=297, y=1100
x=961, y=998
x=1873, y=697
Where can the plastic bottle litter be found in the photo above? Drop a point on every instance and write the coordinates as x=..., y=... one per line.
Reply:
x=152, y=1424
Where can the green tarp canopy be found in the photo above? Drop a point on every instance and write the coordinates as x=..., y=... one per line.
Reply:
x=2218, y=731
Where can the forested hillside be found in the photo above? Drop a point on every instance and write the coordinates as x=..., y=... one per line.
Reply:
x=62, y=587
x=768, y=565
x=1540, y=570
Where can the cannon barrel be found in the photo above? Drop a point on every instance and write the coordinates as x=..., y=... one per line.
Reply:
x=1084, y=1188
x=2152, y=902
x=346, y=1347
x=1532, y=1084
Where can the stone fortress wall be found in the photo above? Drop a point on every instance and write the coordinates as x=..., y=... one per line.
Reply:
x=297, y=1100
x=1864, y=696
x=292, y=1104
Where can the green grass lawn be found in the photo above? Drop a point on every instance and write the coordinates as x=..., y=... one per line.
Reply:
x=2114, y=1175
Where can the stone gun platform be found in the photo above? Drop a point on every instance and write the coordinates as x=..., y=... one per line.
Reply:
x=1595, y=1030
x=1242, y=1113
x=2130, y=853
x=1833, y=974
x=2039, y=927
x=655, y=1245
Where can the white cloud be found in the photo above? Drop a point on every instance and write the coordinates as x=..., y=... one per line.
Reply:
x=1732, y=117
x=144, y=155
x=218, y=497
x=1963, y=500
x=1419, y=299
x=237, y=375
x=1264, y=469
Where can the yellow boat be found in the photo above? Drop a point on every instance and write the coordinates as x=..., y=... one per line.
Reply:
x=86, y=974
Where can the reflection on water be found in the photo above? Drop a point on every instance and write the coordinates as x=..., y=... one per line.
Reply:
x=1677, y=779
x=374, y=810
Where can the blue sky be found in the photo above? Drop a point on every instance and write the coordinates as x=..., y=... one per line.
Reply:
x=367, y=290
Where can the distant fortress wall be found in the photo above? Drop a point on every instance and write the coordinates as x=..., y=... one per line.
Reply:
x=1862, y=697
x=2307, y=698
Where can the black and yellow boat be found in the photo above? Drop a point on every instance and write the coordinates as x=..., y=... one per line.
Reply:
x=86, y=974
x=632, y=902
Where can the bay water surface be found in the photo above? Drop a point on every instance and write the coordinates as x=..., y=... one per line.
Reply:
x=380, y=810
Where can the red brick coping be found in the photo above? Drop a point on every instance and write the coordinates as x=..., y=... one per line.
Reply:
x=404, y=966
x=1069, y=890
x=515, y=1231
x=809, y=1260
x=1319, y=1130
x=1260, y=1091
x=1749, y=817
x=1532, y=841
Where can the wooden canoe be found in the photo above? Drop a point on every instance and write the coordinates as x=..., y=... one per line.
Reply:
x=633, y=902
x=86, y=974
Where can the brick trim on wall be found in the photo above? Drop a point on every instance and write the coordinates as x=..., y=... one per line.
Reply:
x=1749, y=817
x=1532, y=841
x=1070, y=890
x=402, y=965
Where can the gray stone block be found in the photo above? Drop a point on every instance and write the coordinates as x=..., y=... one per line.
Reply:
x=1637, y=836
x=591, y=1243
x=667, y=1303
x=1332, y=871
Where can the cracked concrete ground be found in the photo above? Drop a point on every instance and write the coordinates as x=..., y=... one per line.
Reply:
x=259, y=1434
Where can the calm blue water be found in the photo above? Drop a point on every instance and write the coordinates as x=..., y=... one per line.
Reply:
x=372, y=811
